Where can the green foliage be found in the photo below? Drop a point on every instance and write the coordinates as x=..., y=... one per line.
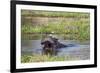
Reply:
x=25, y=58
x=53, y=14
x=45, y=58
x=76, y=27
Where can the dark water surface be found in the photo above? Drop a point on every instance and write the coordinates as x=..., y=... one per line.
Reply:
x=74, y=48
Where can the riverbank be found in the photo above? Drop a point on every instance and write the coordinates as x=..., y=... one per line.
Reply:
x=45, y=58
x=68, y=25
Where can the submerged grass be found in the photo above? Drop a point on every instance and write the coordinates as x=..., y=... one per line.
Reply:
x=45, y=58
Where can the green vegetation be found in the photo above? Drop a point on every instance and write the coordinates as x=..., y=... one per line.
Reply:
x=69, y=25
x=45, y=58
x=54, y=14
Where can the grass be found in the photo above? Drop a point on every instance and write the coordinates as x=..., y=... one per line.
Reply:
x=45, y=58
x=53, y=13
x=77, y=31
x=78, y=28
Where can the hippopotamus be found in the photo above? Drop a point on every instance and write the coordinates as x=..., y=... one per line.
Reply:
x=50, y=45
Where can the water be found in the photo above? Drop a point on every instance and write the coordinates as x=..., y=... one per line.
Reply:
x=75, y=48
